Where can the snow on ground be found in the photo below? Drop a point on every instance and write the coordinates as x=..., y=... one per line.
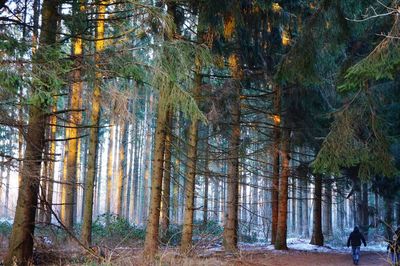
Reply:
x=303, y=245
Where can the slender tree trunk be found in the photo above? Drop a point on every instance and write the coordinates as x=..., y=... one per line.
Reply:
x=300, y=201
x=21, y=241
x=206, y=185
x=388, y=217
x=281, y=233
x=7, y=194
x=98, y=179
x=275, y=175
x=377, y=216
x=187, y=231
x=147, y=159
x=129, y=170
x=317, y=237
x=328, y=209
x=69, y=190
x=94, y=131
x=365, y=215
x=84, y=173
x=305, y=230
x=135, y=199
x=216, y=199
x=110, y=166
x=151, y=241
x=166, y=187
x=293, y=209
x=230, y=235
x=121, y=168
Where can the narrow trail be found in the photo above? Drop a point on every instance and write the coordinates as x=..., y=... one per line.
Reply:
x=306, y=258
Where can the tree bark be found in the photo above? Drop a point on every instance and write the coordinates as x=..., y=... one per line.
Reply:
x=122, y=167
x=166, y=186
x=327, y=225
x=230, y=235
x=275, y=154
x=151, y=241
x=206, y=184
x=317, y=237
x=388, y=202
x=21, y=241
x=281, y=234
x=94, y=131
x=147, y=159
x=70, y=179
x=187, y=231
x=110, y=166
x=365, y=215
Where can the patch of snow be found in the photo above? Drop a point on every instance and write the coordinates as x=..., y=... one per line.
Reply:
x=302, y=244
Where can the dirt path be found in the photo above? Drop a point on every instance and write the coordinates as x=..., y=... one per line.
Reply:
x=303, y=258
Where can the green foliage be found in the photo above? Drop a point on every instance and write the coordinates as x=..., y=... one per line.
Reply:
x=173, y=69
x=173, y=235
x=49, y=75
x=118, y=228
x=5, y=228
x=10, y=80
x=357, y=138
x=323, y=35
x=382, y=63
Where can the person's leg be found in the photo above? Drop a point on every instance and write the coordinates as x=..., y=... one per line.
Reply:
x=357, y=254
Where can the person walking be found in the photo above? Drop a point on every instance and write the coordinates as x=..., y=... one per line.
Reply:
x=394, y=247
x=354, y=241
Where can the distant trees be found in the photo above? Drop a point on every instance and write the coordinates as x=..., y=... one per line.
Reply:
x=262, y=118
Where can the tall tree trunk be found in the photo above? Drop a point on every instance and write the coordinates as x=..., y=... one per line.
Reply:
x=21, y=241
x=122, y=167
x=94, y=131
x=281, y=233
x=275, y=151
x=206, y=185
x=110, y=166
x=151, y=241
x=376, y=203
x=7, y=187
x=327, y=225
x=69, y=190
x=388, y=202
x=317, y=237
x=129, y=170
x=136, y=195
x=166, y=186
x=340, y=210
x=216, y=199
x=147, y=159
x=83, y=172
x=300, y=201
x=187, y=231
x=129, y=181
x=98, y=179
x=305, y=230
x=293, y=209
x=230, y=235
x=365, y=215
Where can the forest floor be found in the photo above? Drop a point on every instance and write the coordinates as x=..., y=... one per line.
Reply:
x=251, y=257
x=300, y=253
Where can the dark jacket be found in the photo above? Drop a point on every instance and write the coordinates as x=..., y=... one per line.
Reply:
x=355, y=238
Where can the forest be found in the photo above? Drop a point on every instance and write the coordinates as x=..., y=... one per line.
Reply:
x=184, y=132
